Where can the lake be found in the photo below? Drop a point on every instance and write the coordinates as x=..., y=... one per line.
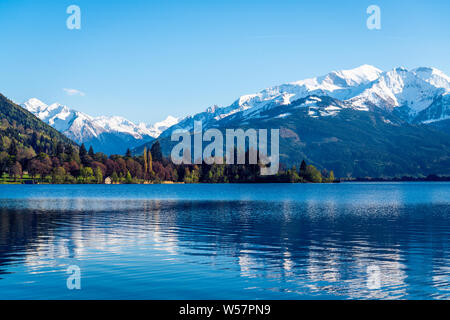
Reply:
x=245, y=241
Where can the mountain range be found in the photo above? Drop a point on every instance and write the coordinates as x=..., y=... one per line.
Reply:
x=362, y=122
x=359, y=122
x=421, y=95
x=110, y=135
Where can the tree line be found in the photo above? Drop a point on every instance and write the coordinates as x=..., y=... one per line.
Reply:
x=71, y=165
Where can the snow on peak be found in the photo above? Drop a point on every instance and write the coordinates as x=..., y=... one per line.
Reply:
x=434, y=77
x=168, y=122
x=156, y=129
x=342, y=85
x=120, y=125
x=360, y=88
x=81, y=127
x=363, y=74
x=35, y=105
x=56, y=115
x=343, y=78
x=415, y=89
x=212, y=109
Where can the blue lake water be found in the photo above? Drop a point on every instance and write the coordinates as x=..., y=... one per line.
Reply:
x=269, y=241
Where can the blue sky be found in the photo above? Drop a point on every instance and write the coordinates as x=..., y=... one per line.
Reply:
x=146, y=60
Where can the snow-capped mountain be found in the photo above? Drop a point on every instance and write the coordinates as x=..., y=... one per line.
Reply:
x=359, y=123
x=156, y=129
x=413, y=90
x=406, y=93
x=110, y=135
x=439, y=110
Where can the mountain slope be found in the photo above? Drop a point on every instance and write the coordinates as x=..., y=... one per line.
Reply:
x=328, y=134
x=360, y=122
x=338, y=84
x=406, y=93
x=22, y=128
x=353, y=143
x=439, y=110
x=111, y=135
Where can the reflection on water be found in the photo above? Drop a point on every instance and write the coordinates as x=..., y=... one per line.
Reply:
x=150, y=242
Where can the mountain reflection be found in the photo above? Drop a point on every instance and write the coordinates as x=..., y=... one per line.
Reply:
x=304, y=249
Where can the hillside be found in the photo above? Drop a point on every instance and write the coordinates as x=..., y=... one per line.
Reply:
x=25, y=122
x=23, y=136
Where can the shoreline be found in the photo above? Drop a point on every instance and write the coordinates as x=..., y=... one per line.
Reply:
x=235, y=183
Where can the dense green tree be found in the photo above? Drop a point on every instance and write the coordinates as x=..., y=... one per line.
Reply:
x=98, y=175
x=16, y=171
x=303, y=167
x=115, y=177
x=4, y=162
x=331, y=177
x=156, y=152
x=215, y=174
x=58, y=175
x=128, y=178
x=192, y=176
x=150, y=164
x=74, y=156
x=86, y=175
x=293, y=175
x=313, y=175
x=83, y=151
x=59, y=148
x=145, y=163
x=13, y=149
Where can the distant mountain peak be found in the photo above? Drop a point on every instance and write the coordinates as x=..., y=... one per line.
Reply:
x=400, y=69
x=213, y=109
x=361, y=89
x=34, y=105
x=156, y=129
x=108, y=134
x=360, y=74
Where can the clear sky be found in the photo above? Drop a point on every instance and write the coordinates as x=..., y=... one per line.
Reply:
x=145, y=60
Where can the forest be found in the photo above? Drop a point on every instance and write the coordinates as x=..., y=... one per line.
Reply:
x=72, y=165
